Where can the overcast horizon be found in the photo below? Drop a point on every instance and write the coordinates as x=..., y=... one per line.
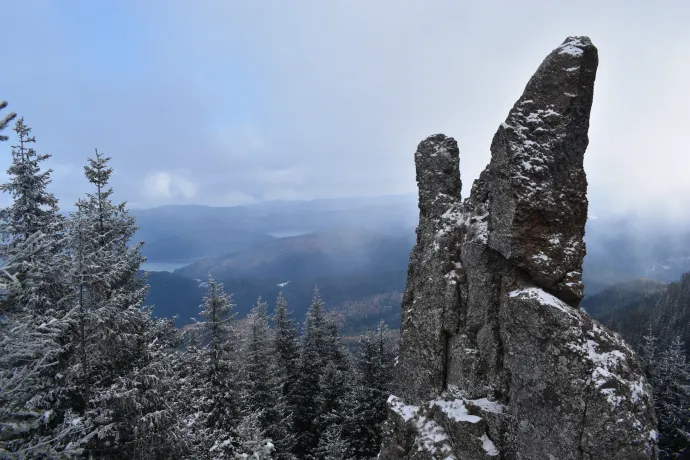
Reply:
x=229, y=103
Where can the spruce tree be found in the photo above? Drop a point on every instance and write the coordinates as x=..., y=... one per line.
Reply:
x=106, y=290
x=332, y=445
x=217, y=313
x=286, y=350
x=375, y=374
x=31, y=228
x=33, y=332
x=252, y=443
x=261, y=385
x=189, y=393
x=672, y=401
x=337, y=382
x=116, y=377
x=312, y=365
x=286, y=347
x=32, y=353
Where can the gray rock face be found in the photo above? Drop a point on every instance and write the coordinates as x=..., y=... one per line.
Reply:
x=496, y=359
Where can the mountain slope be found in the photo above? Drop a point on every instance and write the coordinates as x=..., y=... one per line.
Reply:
x=321, y=254
x=173, y=294
x=626, y=307
x=191, y=232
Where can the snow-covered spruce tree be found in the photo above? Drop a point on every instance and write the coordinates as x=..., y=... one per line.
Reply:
x=336, y=385
x=115, y=376
x=252, y=444
x=33, y=347
x=649, y=350
x=306, y=392
x=332, y=445
x=31, y=229
x=286, y=351
x=671, y=381
x=34, y=332
x=334, y=401
x=189, y=394
x=375, y=374
x=220, y=406
x=106, y=291
x=261, y=387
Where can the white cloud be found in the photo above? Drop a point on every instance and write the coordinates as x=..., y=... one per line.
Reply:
x=164, y=186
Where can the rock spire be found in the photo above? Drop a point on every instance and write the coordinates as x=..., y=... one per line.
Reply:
x=496, y=358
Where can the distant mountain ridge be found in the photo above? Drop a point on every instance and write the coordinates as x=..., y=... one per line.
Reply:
x=193, y=232
x=329, y=253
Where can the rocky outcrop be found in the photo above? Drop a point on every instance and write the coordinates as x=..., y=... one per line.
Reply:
x=496, y=359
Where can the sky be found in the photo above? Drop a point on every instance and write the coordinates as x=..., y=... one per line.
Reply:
x=224, y=102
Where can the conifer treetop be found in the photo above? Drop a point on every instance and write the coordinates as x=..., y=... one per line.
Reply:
x=4, y=121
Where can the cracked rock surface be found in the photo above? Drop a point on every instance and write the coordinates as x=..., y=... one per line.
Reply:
x=496, y=359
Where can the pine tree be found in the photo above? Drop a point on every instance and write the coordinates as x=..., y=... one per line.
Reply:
x=31, y=229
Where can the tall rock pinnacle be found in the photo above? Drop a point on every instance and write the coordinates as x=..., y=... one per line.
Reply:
x=496, y=359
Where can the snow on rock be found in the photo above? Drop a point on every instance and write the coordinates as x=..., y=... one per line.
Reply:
x=455, y=409
x=432, y=424
x=405, y=411
x=488, y=446
x=487, y=405
x=572, y=46
x=544, y=298
x=611, y=372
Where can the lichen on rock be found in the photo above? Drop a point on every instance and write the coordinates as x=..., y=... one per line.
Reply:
x=496, y=359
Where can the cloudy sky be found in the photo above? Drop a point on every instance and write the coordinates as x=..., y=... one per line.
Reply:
x=226, y=102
